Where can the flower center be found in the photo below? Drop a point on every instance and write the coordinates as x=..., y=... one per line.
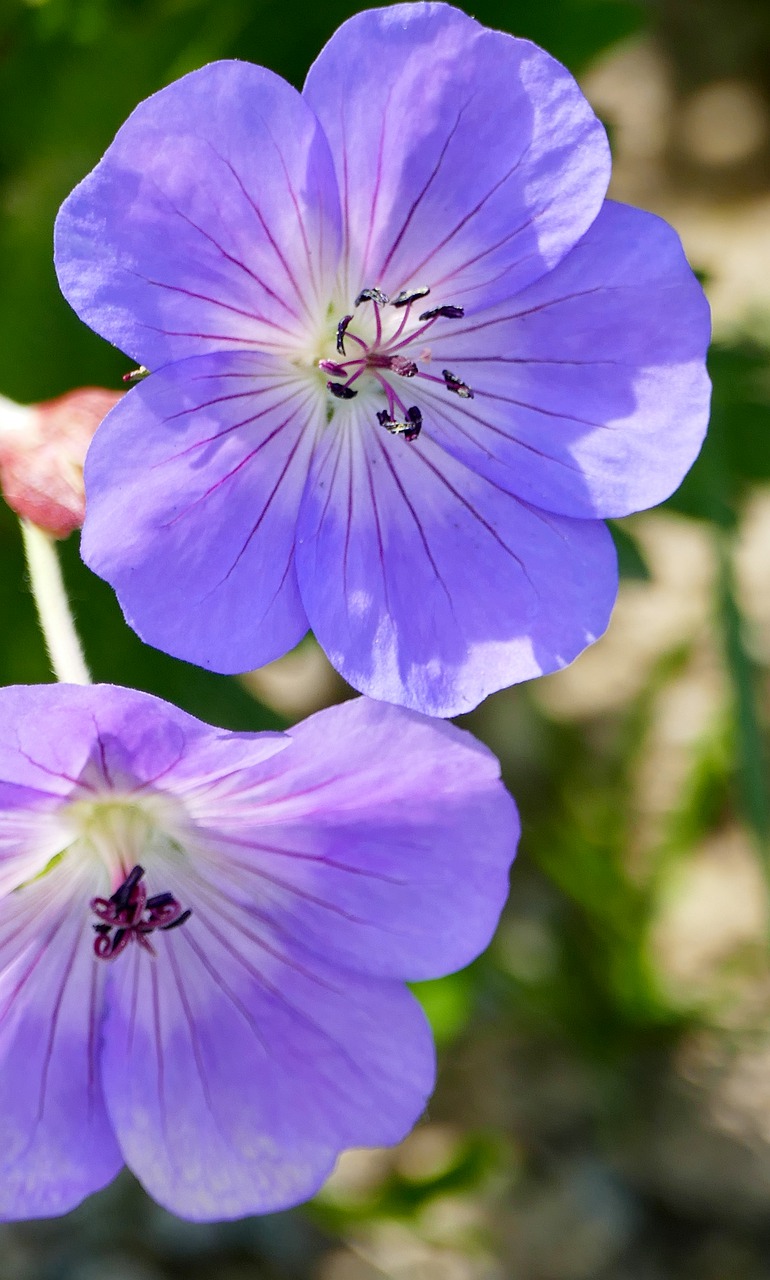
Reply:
x=129, y=913
x=386, y=353
x=117, y=830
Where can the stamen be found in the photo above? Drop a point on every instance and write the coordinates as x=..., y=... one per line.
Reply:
x=122, y=895
x=341, y=327
x=400, y=364
x=341, y=390
x=160, y=900
x=129, y=913
x=415, y=420
x=176, y=923
x=372, y=295
x=409, y=429
x=406, y=296
x=453, y=383
x=450, y=311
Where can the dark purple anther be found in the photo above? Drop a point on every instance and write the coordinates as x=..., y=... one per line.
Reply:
x=129, y=913
x=453, y=383
x=451, y=313
x=122, y=896
x=341, y=327
x=341, y=391
x=414, y=418
x=179, y=920
x=372, y=295
x=406, y=296
x=409, y=429
x=400, y=364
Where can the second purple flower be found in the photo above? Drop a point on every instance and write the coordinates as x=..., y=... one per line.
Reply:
x=407, y=358
x=205, y=938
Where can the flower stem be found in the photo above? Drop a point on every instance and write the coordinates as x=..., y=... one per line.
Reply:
x=53, y=610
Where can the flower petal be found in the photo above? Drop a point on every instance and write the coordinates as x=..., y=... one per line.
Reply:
x=201, y=468
x=467, y=160
x=235, y=1074
x=429, y=586
x=56, y=1142
x=211, y=222
x=35, y=751
x=61, y=741
x=591, y=395
x=380, y=839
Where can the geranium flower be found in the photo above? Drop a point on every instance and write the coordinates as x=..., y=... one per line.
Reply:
x=204, y=938
x=406, y=359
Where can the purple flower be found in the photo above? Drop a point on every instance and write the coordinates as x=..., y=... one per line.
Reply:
x=204, y=938
x=407, y=359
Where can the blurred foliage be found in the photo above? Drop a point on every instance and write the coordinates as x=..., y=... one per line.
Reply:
x=736, y=453
x=572, y=968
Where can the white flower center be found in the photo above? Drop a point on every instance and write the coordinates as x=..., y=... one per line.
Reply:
x=121, y=830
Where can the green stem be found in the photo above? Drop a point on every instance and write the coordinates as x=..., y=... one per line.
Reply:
x=53, y=610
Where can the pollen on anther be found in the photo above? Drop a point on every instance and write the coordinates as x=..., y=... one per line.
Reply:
x=341, y=330
x=449, y=311
x=409, y=430
x=372, y=295
x=406, y=296
x=453, y=383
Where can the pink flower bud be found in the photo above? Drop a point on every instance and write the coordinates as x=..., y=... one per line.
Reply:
x=42, y=451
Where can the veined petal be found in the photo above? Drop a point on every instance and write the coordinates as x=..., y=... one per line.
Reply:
x=60, y=742
x=591, y=395
x=428, y=585
x=56, y=1142
x=212, y=221
x=33, y=757
x=467, y=160
x=236, y=1070
x=201, y=468
x=380, y=839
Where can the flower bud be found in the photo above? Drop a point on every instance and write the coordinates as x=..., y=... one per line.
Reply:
x=42, y=451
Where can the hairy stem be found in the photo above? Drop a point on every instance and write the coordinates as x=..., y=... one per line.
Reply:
x=53, y=610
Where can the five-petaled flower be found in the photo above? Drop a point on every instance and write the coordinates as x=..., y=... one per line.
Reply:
x=204, y=938
x=407, y=358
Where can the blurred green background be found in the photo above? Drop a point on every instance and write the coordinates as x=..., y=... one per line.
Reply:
x=603, y=1108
